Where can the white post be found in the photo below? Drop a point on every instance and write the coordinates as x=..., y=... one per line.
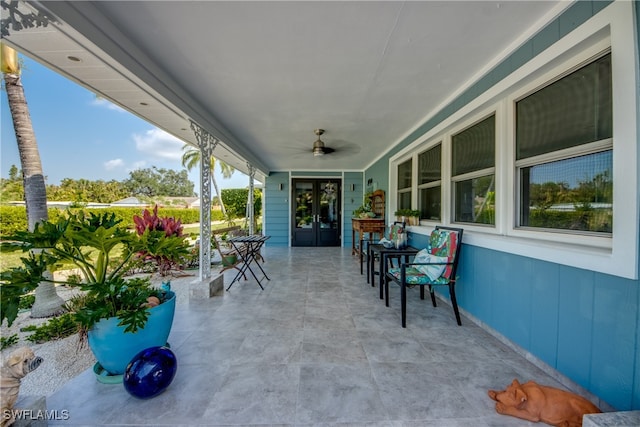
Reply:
x=206, y=143
x=250, y=210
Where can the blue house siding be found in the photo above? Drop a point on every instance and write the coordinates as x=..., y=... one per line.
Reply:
x=379, y=173
x=583, y=324
x=351, y=201
x=276, y=209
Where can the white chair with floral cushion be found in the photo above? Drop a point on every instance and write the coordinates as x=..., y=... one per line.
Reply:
x=433, y=266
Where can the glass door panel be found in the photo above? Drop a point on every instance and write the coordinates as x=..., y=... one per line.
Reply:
x=304, y=204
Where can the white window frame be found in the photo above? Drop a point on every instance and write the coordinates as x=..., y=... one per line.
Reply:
x=615, y=254
x=477, y=173
x=409, y=189
x=432, y=184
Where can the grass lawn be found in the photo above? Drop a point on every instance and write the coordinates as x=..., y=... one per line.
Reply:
x=194, y=229
x=10, y=259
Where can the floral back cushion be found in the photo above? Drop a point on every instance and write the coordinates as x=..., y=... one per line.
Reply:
x=394, y=230
x=444, y=243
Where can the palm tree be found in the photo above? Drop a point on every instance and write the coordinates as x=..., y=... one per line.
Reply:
x=191, y=159
x=47, y=302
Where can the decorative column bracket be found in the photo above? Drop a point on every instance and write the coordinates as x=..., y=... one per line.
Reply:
x=206, y=143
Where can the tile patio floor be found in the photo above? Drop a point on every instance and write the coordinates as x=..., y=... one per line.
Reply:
x=317, y=347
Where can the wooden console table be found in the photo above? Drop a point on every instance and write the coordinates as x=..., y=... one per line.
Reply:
x=362, y=226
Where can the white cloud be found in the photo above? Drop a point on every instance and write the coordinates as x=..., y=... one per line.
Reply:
x=113, y=164
x=157, y=144
x=105, y=103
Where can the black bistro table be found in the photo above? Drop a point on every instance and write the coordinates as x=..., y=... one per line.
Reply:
x=384, y=254
x=248, y=250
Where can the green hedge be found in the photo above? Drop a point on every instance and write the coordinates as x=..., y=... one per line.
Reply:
x=14, y=218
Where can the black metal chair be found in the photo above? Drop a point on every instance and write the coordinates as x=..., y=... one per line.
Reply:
x=433, y=266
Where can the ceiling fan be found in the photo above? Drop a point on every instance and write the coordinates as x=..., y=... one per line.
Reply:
x=319, y=148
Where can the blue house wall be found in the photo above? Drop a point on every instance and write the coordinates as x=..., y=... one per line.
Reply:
x=277, y=191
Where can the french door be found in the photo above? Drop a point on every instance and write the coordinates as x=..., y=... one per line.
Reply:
x=316, y=212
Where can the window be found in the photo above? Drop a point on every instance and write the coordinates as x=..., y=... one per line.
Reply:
x=404, y=184
x=564, y=152
x=473, y=173
x=429, y=183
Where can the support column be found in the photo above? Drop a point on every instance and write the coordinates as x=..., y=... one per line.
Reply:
x=250, y=210
x=206, y=143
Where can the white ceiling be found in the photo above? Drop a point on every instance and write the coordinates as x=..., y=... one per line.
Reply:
x=261, y=76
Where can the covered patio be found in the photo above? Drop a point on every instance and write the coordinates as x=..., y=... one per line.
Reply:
x=316, y=347
x=419, y=100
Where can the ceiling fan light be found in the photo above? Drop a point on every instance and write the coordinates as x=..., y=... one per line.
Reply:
x=318, y=147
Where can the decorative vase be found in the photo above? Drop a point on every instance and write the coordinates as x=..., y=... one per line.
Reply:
x=150, y=372
x=114, y=348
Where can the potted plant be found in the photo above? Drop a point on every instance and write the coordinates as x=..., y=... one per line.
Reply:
x=414, y=214
x=121, y=316
x=402, y=215
x=364, y=211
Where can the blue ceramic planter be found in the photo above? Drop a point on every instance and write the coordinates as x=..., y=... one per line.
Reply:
x=114, y=349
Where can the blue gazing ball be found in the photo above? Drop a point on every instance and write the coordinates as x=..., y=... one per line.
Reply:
x=150, y=372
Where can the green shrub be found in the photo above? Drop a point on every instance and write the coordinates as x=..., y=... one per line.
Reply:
x=6, y=342
x=55, y=328
x=26, y=301
x=12, y=219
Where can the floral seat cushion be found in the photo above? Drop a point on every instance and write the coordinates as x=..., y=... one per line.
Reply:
x=416, y=277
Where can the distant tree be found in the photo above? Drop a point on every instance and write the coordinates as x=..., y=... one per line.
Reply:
x=154, y=182
x=83, y=191
x=546, y=194
x=11, y=189
x=14, y=173
x=191, y=159
x=47, y=302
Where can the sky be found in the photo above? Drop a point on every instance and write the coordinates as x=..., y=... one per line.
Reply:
x=80, y=135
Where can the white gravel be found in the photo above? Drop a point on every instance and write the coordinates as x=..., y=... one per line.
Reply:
x=63, y=359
